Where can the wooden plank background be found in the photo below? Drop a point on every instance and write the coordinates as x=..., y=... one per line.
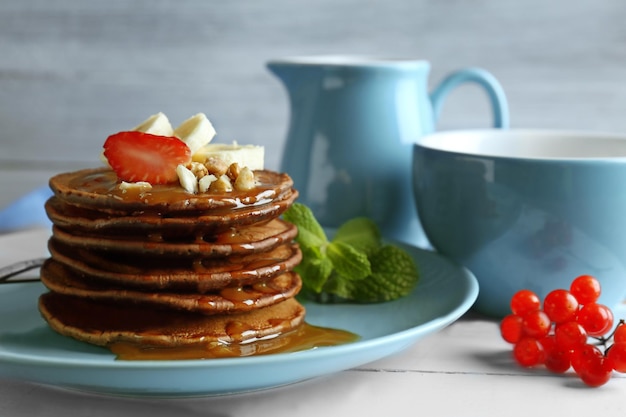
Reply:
x=72, y=71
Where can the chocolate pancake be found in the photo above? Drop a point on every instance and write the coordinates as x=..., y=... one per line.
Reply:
x=97, y=189
x=102, y=323
x=201, y=275
x=251, y=239
x=64, y=280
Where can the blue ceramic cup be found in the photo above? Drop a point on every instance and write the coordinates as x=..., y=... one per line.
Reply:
x=525, y=209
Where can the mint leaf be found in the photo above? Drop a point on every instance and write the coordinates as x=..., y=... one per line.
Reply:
x=347, y=261
x=310, y=232
x=314, y=272
x=362, y=233
x=354, y=265
x=394, y=275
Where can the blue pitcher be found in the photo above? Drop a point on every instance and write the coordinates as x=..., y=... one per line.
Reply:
x=352, y=126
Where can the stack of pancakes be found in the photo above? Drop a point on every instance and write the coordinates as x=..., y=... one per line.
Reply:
x=160, y=267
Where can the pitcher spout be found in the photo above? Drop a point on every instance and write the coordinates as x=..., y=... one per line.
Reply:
x=293, y=75
x=279, y=69
x=282, y=71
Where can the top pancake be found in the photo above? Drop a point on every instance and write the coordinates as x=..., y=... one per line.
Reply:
x=91, y=202
x=98, y=189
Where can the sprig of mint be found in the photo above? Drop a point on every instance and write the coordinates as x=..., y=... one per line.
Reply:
x=356, y=265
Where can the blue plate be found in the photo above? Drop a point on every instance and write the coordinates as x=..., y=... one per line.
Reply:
x=30, y=351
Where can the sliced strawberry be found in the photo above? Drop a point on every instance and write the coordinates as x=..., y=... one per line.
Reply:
x=138, y=156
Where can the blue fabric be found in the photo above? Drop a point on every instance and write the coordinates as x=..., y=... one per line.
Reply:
x=26, y=212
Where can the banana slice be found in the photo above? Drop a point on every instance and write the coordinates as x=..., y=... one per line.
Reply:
x=157, y=124
x=196, y=132
x=250, y=156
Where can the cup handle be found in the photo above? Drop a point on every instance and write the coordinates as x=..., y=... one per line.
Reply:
x=481, y=77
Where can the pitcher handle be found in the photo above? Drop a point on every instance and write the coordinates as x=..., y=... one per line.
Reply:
x=481, y=77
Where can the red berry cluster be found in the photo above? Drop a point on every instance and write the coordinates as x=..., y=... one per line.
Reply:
x=570, y=331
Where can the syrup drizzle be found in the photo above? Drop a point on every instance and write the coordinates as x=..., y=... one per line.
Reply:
x=105, y=183
x=304, y=337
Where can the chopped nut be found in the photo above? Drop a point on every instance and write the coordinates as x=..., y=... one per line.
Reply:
x=205, y=182
x=245, y=180
x=187, y=179
x=216, y=166
x=140, y=186
x=233, y=171
x=198, y=169
x=221, y=185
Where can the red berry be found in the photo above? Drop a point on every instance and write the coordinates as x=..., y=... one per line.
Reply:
x=529, y=352
x=596, y=371
x=560, y=305
x=536, y=324
x=617, y=355
x=138, y=156
x=511, y=328
x=525, y=301
x=620, y=333
x=596, y=319
x=583, y=354
x=570, y=335
x=586, y=289
x=557, y=360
